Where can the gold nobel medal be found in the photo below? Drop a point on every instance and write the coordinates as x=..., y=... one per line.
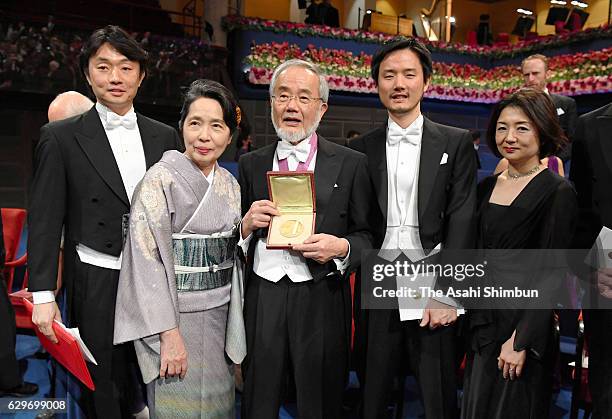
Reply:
x=291, y=228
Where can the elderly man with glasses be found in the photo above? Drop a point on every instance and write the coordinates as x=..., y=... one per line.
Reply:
x=297, y=300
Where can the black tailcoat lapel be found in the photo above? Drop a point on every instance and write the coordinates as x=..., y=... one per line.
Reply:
x=327, y=168
x=377, y=158
x=153, y=148
x=262, y=163
x=95, y=144
x=433, y=144
x=604, y=127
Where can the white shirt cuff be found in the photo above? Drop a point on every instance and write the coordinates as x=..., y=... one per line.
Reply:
x=342, y=264
x=42, y=297
x=244, y=242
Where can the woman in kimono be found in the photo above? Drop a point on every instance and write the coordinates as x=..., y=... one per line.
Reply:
x=179, y=296
x=511, y=350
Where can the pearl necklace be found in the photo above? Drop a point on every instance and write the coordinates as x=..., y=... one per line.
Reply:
x=517, y=176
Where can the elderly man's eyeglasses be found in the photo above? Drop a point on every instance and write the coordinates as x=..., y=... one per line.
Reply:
x=302, y=99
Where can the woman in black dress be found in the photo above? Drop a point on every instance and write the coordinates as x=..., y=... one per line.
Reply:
x=509, y=363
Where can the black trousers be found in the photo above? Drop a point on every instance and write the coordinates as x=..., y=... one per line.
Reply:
x=93, y=312
x=598, y=328
x=392, y=346
x=300, y=328
x=10, y=376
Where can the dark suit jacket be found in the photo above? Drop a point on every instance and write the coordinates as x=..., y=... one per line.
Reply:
x=77, y=184
x=342, y=191
x=567, y=120
x=591, y=172
x=447, y=192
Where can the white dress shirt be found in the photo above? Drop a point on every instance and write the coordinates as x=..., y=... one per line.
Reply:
x=403, y=159
x=402, y=186
x=274, y=264
x=126, y=144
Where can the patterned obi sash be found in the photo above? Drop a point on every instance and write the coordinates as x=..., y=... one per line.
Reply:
x=203, y=262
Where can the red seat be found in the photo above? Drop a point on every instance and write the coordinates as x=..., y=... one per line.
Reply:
x=574, y=23
x=502, y=39
x=560, y=27
x=13, y=222
x=472, y=39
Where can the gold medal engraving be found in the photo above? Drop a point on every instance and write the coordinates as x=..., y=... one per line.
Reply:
x=291, y=228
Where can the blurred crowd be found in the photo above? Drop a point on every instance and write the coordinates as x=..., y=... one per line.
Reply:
x=45, y=59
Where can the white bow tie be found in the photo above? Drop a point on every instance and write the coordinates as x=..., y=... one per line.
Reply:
x=301, y=150
x=411, y=134
x=113, y=120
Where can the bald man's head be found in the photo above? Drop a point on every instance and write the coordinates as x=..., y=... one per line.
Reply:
x=68, y=104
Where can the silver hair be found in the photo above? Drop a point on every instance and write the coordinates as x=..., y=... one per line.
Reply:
x=323, y=86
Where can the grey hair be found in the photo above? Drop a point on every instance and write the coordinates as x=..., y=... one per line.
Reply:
x=323, y=86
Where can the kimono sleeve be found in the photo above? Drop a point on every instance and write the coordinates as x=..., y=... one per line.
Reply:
x=146, y=296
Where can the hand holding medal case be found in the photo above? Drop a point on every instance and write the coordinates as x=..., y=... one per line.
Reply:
x=294, y=196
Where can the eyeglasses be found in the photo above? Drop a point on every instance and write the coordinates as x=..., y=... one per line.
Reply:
x=303, y=99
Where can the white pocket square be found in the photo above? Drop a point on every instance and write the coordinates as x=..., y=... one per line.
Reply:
x=444, y=159
x=335, y=185
x=560, y=111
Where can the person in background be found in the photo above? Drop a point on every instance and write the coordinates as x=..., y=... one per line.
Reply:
x=322, y=12
x=591, y=172
x=350, y=135
x=535, y=74
x=68, y=104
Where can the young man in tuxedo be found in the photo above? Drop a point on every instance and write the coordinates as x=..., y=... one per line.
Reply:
x=535, y=74
x=424, y=176
x=591, y=172
x=297, y=301
x=86, y=169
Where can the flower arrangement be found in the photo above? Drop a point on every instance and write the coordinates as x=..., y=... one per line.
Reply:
x=235, y=22
x=575, y=74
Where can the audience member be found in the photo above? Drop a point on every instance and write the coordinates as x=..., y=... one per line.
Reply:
x=591, y=172
x=535, y=73
x=47, y=59
x=322, y=12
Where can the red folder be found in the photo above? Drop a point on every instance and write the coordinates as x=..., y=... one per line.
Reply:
x=66, y=351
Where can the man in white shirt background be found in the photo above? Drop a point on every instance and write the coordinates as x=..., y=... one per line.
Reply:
x=424, y=177
x=85, y=171
x=535, y=74
x=297, y=301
